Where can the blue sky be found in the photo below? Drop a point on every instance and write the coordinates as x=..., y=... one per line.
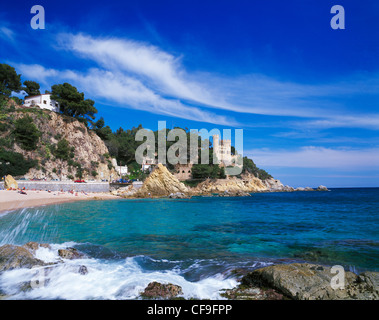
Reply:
x=306, y=95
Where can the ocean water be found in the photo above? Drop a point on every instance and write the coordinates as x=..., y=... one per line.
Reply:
x=195, y=243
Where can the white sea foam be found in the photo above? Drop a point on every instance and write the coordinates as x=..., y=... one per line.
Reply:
x=122, y=279
x=3, y=214
x=51, y=254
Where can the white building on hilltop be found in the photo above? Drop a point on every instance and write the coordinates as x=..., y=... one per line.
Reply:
x=43, y=101
x=222, y=150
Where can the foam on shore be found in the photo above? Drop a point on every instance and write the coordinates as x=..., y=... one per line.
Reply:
x=106, y=279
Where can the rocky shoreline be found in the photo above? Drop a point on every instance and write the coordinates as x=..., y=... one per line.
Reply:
x=304, y=281
x=161, y=183
x=294, y=281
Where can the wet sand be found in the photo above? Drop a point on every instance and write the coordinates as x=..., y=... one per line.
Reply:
x=13, y=200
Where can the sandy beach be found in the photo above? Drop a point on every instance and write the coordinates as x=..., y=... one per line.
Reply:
x=13, y=199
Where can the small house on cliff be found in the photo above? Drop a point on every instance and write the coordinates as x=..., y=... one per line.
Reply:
x=43, y=101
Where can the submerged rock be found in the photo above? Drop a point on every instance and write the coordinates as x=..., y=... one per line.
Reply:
x=318, y=256
x=83, y=270
x=303, y=281
x=13, y=257
x=156, y=290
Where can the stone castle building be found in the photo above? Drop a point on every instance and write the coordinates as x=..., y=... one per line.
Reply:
x=222, y=149
x=183, y=171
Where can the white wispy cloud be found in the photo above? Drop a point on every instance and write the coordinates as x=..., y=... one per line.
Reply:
x=163, y=71
x=37, y=72
x=254, y=93
x=367, y=121
x=125, y=91
x=148, y=78
x=7, y=34
x=317, y=157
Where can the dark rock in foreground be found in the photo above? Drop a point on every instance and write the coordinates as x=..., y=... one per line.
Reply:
x=303, y=281
x=252, y=293
x=13, y=257
x=156, y=290
x=83, y=270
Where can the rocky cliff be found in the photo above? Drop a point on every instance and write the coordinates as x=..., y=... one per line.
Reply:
x=161, y=183
x=87, y=152
x=248, y=183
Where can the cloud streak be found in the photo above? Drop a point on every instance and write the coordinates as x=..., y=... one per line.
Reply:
x=145, y=77
x=252, y=94
x=126, y=91
x=317, y=157
x=161, y=70
x=7, y=34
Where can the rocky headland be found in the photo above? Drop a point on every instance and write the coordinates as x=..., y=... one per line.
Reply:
x=162, y=183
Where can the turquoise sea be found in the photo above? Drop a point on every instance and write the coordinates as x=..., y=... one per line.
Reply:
x=195, y=243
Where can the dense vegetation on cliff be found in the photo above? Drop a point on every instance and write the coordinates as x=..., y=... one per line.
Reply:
x=40, y=144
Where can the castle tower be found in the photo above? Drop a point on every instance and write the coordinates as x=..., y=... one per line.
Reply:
x=216, y=146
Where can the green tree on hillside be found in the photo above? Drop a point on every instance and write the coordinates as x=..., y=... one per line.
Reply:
x=72, y=102
x=62, y=150
x=250, y=167
x=31, y=88
x=14, y=163
x=201, y=171
x=26, y=133
x=222, y=174
x=9, y=80
x=99, y=124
